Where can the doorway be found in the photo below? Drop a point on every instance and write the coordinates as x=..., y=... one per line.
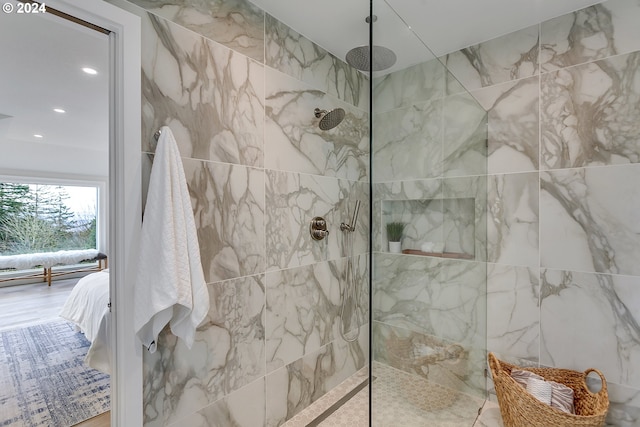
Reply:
x=55, y=136
x=123, y=190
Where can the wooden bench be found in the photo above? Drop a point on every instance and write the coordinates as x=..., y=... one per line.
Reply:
x=48, y=260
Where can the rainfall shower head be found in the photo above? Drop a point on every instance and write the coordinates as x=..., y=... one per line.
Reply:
x=359, y=58
x=329, y=119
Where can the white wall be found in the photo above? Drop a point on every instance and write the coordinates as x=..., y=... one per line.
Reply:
x=41, y=158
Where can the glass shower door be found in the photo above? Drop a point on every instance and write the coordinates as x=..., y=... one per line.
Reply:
x=429, y=180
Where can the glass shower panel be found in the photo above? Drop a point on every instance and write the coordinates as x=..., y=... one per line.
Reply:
x=429, y=173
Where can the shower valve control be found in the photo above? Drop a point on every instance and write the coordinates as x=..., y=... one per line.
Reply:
x=318, y=228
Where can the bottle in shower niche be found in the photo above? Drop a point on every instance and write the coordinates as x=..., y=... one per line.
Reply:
x=394, y=236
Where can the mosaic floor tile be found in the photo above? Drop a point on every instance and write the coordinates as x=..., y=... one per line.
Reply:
x=399, y=399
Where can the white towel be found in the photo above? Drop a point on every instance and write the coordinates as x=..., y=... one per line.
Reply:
x=540, y=389
x=170, y=285
x=561, y=396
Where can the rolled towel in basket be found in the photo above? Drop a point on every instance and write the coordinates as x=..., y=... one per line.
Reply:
x=540, y=389
x=561, y=396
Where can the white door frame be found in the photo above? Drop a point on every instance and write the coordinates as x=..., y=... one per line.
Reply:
x=125, y=207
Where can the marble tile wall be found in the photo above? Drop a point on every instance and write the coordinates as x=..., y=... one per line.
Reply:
x=563, y=196
x=294, y=55
x=292, y=388
x=429, y=172
x=239, y=89
x=236, y=87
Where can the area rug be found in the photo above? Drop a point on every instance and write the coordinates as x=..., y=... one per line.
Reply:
x=43, y=378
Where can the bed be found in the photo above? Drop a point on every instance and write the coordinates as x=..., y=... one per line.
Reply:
x=88, y=308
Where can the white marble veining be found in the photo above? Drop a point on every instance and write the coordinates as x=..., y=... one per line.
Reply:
x=502, y=59
x=228, y=204
x=513, y=125
x=202, y=75
x=475, y=189
x=490, y=416
x=293, y=140
x=408, y=142
x=513, y=321
x=512, y=224
x=414, y=85
x=293, y=54
x=210, y=96
x=292, y=388
x=464, y=136
x=213, y=98
x=304, y=308
x=590, y=114
x=237, y=24
x=591, y=320
x=624, y=406
x=606, y=29
x=589, y=221
x=228, y=353
x=440, y=297
x=293, y=200
x=232, y=410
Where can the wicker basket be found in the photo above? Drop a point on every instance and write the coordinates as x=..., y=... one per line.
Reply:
x=520, y=409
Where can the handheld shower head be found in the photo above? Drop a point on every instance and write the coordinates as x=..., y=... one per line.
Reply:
x=355, y=215
x=329, y=119
x=352, y=227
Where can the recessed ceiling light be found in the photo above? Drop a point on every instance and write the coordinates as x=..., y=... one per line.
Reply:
x=89, y=70
x=37, y=135
x=59, y=110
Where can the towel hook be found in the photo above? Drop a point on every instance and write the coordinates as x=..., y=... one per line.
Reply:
x=156, y=135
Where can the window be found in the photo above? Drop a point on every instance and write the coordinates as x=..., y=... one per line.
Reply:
x=47, y=217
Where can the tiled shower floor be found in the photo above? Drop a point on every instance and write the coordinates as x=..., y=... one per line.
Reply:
x=398, y=400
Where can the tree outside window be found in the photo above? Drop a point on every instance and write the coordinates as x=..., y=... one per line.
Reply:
x=39, y=218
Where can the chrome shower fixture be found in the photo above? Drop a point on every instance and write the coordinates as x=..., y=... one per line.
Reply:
x=329, y=119
x=318, y=228
x=352, y=227
x=350, y=310
x=359, y=58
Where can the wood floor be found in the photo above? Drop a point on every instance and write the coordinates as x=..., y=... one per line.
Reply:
x=102, y=420
x=26, y=305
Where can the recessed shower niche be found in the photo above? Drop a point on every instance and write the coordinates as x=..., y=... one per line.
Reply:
x=440, y=227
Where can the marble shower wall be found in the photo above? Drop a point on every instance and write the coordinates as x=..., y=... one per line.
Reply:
x=563, y=100
x=430, y=166
x=239, y=89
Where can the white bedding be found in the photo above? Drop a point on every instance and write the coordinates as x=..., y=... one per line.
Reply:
x=87, y=307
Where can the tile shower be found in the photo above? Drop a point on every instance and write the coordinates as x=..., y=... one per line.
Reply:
x=429, y=305
x=549, y=215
